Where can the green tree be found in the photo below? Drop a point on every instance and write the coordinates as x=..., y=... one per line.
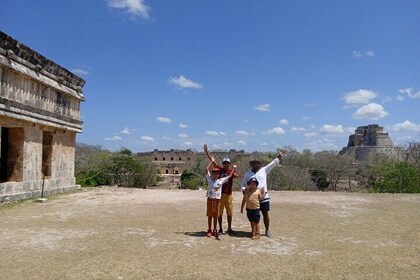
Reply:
x=91, y=165
x=126, y=171
x=125, y=151
x=191, y=180
x=401, y=177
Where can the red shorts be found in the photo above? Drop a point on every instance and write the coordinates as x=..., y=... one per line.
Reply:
x=213, y=207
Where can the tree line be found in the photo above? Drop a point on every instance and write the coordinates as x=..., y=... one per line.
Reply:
x=306, y=170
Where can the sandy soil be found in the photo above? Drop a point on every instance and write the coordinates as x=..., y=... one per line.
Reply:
x=114, y=233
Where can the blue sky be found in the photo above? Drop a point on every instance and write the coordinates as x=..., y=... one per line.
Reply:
x=252, y=75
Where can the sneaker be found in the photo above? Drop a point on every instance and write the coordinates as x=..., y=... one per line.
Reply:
x=215, y=233
x=209, y=233
x=231, y=232
x=268, y=233
x=220, y=232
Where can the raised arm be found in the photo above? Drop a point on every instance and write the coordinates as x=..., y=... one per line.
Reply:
x=211, y=162
x=281, y=155
x=210, y=157
x=233, y=171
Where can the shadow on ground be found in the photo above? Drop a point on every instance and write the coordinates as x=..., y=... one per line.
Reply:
x=238, y=234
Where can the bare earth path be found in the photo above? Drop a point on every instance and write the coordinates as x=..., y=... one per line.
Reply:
x=112, y=233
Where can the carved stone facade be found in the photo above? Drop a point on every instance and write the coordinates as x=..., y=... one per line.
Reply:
x=39, y=119
x=368, y=140
x=172, y=162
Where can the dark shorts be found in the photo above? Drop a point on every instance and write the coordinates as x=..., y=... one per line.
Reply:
x=265, y=206
x=253, y=215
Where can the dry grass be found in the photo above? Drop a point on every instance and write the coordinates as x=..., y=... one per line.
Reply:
x=111, y=233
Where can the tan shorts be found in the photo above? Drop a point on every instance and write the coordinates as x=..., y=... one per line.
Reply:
x=213, y=207
x=226, y=202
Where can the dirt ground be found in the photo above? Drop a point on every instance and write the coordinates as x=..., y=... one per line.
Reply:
x=115, y=233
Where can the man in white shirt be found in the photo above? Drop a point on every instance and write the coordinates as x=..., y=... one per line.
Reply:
x=261, y=174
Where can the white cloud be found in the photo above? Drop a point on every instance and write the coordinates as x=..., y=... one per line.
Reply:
x=182, y=82
x=386, y=99
x=410, y=92
x=323, y=145
x=370, y=111
x=400, y=98
x=331, y=129
x=359, y=97
x=240, y=142
x=298, y=129
x=370, y=53
x=359, y=54
x=310, y=134
x=407, y=126
x=188, y=143
x=212, y=133
x=147, y=139
x=244, y=133
x=304, y=118
x=263, y=108
x=133, y=7
x=183, y=136
x=350, y=130
x=276, y=130
x=181, y=125
x=404, y=138
x=80, y=72
x=114, y=138
x=222, y=133
x=284, y=121
x=126, y=131
x=163, y=119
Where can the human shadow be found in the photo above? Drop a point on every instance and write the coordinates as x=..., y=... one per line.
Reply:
x=193, y=233
x=237, y=234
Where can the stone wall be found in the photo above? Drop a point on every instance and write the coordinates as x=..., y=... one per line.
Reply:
x=368, y=141
x=26, y=164
x=39, y=119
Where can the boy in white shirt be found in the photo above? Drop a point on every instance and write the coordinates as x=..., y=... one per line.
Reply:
x=214, y=193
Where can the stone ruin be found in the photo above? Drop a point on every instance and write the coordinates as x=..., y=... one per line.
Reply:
x=170, y=164
x=369, y=140
x=39, y=119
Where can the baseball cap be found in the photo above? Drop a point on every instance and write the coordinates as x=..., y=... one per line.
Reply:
x=215, y=169
x=226, y=159
x=252, y=179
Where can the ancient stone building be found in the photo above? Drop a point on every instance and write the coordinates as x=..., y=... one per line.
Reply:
x=176, y=161
x=39, y=119
x=172, y=163
x=368, y=140
x=169, y=162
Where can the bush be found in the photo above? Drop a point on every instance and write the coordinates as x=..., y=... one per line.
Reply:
x=191, y=180
x=320, y=179
x=401, y=178
x=127, y=172
x=96, y=166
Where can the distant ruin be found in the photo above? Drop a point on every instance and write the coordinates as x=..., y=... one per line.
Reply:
x=39, y=119
x=368, y=140
x=172, y=163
